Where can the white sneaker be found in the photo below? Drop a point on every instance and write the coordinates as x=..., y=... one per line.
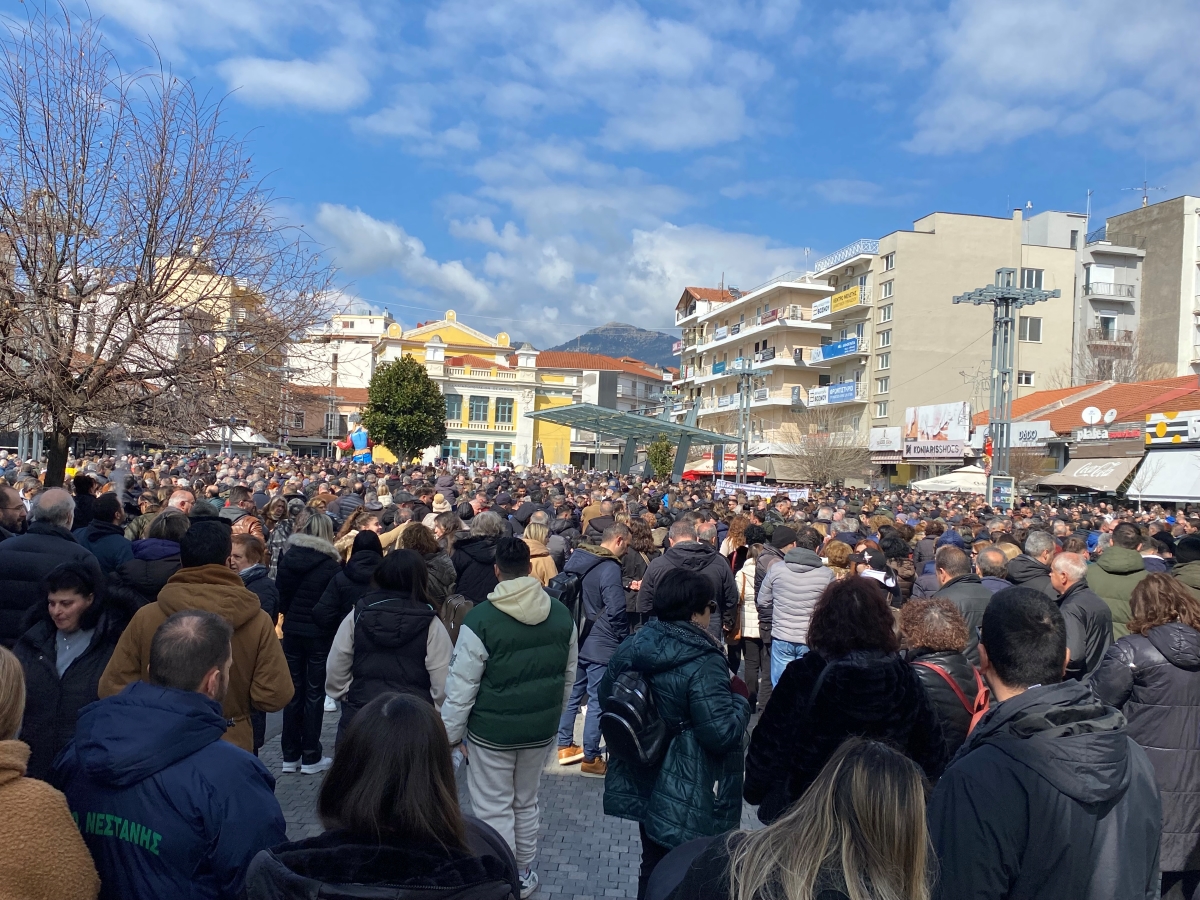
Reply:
x=529, y=883
x=316, y=768
x=290, y=768
x=330, y=704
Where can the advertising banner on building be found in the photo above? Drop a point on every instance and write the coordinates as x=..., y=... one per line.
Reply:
x=1031, y=434
x=843, y=392
x=1170, y=429
x=886, y=438
x=821, y=308
x=834, y=350
x=936, y=432
x=844, y=299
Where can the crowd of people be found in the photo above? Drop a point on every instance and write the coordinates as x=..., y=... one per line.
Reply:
x=923, y=696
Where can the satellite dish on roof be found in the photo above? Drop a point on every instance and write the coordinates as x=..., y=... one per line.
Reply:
x=1091, y=415
x=1110, y=417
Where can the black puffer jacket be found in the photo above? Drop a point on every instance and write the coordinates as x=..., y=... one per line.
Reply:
x=390, y=644
x=345, y=589
x=1049, y=798
x=474, y=561
x=307, y=567
x=1025, y=571
x=24, y=561
x=338, y=865
x=954, y=716
x=52, y=704
x=154, y=561
x=1154, y=680
x=442, y=577
x=867, y=693
x=703, y=559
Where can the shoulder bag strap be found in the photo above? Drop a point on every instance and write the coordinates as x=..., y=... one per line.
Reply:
x=949, y=679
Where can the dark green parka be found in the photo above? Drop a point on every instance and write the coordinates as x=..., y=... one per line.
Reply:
x=688, y=675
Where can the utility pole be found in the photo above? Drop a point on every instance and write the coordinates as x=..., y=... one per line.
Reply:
x=1006, y=297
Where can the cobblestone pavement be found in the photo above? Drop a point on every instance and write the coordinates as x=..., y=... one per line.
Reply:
x=582, y=853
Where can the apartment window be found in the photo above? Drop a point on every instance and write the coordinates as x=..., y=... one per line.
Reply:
x=1025, y=379
x=860, y=329
x=883, y=361
x=504, y=411
x=1031, y=278
x=889, y=262
x=478, y=409
x=1030, y=329
x=333, y=360
x=1074, y=240
x=885, y=337
x=298, y=420
x=885, y=312
x=882, y=385
x=451, y=449
x=348, y=323
x=881, y=409
x=885, y=289
x=823, y=381
x=477, y=451
x=502, y=454
x=453, y=407
x=333, y=423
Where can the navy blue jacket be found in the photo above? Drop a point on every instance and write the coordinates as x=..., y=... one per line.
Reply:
x=166, y=807
x=603, y=602
x=107, y=543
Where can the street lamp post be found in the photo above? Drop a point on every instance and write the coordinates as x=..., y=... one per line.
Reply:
x=1006, y=297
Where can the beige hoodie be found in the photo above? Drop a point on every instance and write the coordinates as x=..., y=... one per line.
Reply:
x=523, y=599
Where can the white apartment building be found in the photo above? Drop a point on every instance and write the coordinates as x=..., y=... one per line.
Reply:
x=341, y=354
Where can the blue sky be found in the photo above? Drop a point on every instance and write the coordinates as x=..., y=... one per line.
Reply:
x=544, y=167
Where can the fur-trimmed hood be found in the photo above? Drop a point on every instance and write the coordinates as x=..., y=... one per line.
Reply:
x=312, y=543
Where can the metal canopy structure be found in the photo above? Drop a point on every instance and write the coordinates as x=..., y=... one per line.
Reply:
x=633, y=429
x=1005, y=297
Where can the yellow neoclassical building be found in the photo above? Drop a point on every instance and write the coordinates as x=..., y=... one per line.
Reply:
x=490, y=385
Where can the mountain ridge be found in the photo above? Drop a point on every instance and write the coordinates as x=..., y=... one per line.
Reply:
x=619, y=339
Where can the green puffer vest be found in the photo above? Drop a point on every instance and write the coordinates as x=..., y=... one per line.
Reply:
x=521, y=694
x=697, y=790
x=1113, y=577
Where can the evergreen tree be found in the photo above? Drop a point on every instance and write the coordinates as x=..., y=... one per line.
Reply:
x=661, y=455
x=405, y=410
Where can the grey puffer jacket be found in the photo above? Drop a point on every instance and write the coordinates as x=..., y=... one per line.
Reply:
x=790, y=593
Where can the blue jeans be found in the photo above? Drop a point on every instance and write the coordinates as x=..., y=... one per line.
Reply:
x=587, y=683
x=782, y=653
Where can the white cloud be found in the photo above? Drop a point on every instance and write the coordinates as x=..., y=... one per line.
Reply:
x=1000, y=72
x=365, y=245
x=333, y=84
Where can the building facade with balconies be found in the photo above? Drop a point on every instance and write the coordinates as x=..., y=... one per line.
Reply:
x=1159, y=328
x=1108, y=311
x=341, y=354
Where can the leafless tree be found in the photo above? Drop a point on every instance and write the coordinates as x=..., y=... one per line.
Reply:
x=826, y=447
x=1123, y=363
x=145, y=280
x=1026, y=464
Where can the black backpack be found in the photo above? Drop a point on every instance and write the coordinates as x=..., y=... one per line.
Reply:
x=629, y=721
x=567, y=588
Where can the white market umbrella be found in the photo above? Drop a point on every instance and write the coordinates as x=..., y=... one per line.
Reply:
x=967, y=480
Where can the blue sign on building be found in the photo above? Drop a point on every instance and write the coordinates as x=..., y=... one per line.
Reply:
x=842, y=392
x=718, y=368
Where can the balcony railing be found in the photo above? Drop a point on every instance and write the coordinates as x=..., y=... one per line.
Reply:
x=826, y=353
x=1109, y=336
x=1108, y=289
x=858, y=248
x=1116, y=238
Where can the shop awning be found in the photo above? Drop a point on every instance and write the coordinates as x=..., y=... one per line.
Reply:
x=967, y=480
x=1170, y=475
x=1104, y=474
x=886, y=457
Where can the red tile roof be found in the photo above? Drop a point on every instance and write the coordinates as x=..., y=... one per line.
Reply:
x=1064, y=408
x=714, y=295
x=475, y=362
x=564, y=359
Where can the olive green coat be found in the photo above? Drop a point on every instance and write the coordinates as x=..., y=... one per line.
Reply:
x=1113, y=577
x=697, y=790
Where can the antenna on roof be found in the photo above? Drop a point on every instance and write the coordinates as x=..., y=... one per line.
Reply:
x=1145, y=189
x=721, y=284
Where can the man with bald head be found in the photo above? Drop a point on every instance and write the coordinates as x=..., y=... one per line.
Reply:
x=1088, y=617
x=27, y=558
x=182, y=500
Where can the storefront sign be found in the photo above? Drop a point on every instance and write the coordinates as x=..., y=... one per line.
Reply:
x=720, y=333
x=1171, y=429
x=933, y=449
x=843, y=392
x=718, y=368
x=821, y=308
x=886, y=438
x=677, y=348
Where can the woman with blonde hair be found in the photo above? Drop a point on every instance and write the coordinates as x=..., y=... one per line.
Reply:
x=838, y=555
x=536, y=536
x=42, y=854
x=858, y=833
